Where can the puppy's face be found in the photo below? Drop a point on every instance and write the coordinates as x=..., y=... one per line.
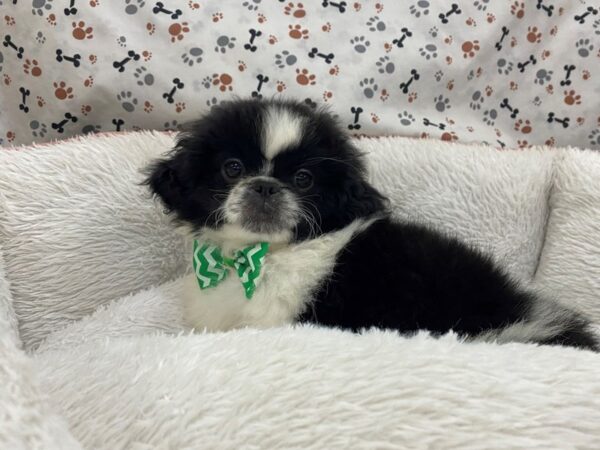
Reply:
x=274, y=171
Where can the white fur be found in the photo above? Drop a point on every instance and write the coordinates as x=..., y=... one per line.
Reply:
x=90, y=236
x=281, y=129
x=290, y=275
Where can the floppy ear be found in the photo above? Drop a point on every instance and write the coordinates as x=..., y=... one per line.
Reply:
x=362, y=200
x=163, y=181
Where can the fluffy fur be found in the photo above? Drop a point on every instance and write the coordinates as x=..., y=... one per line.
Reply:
x=343, y=262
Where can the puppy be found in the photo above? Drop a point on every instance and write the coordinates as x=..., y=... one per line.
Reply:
x=287, y=229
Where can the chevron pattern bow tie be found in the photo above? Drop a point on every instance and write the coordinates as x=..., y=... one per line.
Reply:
x=211, y=267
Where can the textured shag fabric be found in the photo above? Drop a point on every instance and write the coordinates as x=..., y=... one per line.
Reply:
x=91, y=234
x=125, y=372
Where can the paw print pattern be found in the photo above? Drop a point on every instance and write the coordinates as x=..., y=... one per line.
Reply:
x=419, y=8
x=144, y=78
x=225, y=43
x=384, y=65
x=128, y=102
x=285, y=58
x=543, y=76
x=584, y=47
x=406, y=119
x=192, y=56
x=441, y=103
x=369, y=87
x=375, y=24
x=476, y=100
x=360, y=44
x=399, y=61
x=429, y=51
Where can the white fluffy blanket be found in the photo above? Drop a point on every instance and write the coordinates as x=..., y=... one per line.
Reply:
x=87, y=260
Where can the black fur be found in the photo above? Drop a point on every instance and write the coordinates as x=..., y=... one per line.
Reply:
x=392, y=275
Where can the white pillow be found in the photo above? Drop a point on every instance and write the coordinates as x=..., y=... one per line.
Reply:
x=78, y=230
x=570, y=262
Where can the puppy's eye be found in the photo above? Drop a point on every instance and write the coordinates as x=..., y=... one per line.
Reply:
x=232, y=169
x=303, y=179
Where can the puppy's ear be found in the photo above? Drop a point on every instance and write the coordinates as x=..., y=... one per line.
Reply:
x=163, y=180
x=361, y=199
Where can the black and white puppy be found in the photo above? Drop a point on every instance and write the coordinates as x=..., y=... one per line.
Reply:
x=278, y=172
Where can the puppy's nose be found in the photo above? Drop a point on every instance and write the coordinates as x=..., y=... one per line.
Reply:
x=266, y=188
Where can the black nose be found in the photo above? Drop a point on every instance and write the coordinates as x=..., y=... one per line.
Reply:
x=266, y=188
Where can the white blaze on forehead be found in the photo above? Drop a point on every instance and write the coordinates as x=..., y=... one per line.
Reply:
x=281, y=128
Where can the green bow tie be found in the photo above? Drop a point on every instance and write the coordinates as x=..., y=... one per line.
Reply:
x=210, y=266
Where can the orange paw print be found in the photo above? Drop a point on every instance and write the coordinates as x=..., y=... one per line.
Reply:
x=518, y=9
x=471, y=22
x=304, y=78
x=374, y=118
x=242, y=66
x=513, y=86
x=261, y=18
x=40, y=101
x=7, y=80
x=412, y=97
x=280, y=86
x=586, y=75
x=80, y=32
x=193, y=5
x=449, y=136
x=335, y=70
x=296, y=32
x=10, y=21
x=450, y=85
x=51, y=19
x=327, y=95
x=384, y=95
x=297, y=11
x=86, y=109
x=62, y=91
x=378, y=7
x=217, y=16
x=488, y=90
x=148, y=107
x=326, y=28
x=490, y=18
x=572, y=98
x=180, y=106
x=469, y=48
x=32, y=67
x=177, y=31
x=151, y=28
x=224, y=81
x=147, y=55
x=272, y=39
x=10, y=135
x=89, y=81
x=94, y=3
x=93, y=59
x=524, y=126
x=550, y=89
x=533, y=35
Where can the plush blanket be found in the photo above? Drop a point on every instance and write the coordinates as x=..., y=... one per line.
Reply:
x=94, y=352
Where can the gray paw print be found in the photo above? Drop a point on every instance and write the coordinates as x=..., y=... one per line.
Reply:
x=385, y=65
x=122, y=41
x=441, y=103
x=504, y=67
x=251, y=5
x=375, y=24
x=438, y=75
x=88, y=129
x=594, y=137
x=433, y=31
x=584, y=47
x=224, y=43
x=38, y=6
x=173, y=125
x=206, y=82
x=369, y=87
x=38, y=129
x=542, y=76
x=144, y=77
x=406, y=118
x=481, y=5
x=429, y=51
x=285, y=59
x=360, y=44
x=40, y=38
x=127, y=102
x=596, y=26
x=476, y=100
x=421, y=7
x=537, y=101
x=490, y=116
x=193, y=56
x=133, y=6
x=1, y=60
x=212, y=102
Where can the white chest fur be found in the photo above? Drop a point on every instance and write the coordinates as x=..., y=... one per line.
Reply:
x=290, y=277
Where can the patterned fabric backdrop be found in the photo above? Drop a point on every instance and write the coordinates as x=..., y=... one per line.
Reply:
x=507, y=72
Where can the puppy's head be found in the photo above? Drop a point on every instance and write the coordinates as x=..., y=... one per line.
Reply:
x=265, y=170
